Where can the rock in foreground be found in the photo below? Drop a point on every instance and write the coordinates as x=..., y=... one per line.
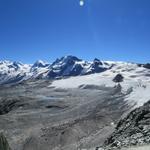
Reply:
x=3, y=143
x=133, y=130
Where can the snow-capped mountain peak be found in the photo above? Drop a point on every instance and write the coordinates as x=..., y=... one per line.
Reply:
x=66, y=60
x=64, y=67
x=40, y=63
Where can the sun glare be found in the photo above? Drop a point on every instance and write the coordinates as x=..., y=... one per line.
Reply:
x=81, y=3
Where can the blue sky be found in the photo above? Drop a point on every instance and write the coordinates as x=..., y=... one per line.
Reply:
x=47, y=29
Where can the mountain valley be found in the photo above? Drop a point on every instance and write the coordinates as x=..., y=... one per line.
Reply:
x=70, y=104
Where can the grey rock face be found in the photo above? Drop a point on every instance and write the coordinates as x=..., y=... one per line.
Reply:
x=132, y=130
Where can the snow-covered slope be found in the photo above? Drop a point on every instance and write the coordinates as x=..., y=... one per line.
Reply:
x=136, y=81
x=39, y=68
x=13, y=71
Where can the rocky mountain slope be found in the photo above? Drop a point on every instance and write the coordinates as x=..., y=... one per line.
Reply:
x=132, y=130
x=35, y=116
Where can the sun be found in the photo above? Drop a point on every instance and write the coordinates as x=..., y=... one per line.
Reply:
x=81, y=3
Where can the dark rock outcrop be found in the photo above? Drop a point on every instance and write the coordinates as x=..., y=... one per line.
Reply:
x=134, y=129
x=6, y=106
x=118, y=78
x=147, y=66
x=3, y=143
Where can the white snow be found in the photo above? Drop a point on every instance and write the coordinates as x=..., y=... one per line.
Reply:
x=75, y=82
x=134, y=77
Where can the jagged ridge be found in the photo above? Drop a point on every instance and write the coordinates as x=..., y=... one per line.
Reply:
x=12, y=72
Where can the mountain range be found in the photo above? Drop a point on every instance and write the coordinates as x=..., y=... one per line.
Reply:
x=14, y=72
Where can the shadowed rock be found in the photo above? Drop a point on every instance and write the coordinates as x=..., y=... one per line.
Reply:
x=3, y=143
x=118, y=78
x=7, y=106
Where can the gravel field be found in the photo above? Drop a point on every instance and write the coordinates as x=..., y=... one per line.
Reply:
x=37, y=116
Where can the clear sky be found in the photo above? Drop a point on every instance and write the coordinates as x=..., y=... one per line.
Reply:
x=47, y=29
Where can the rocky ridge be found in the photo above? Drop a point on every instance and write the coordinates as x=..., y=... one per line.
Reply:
x=133, y=130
